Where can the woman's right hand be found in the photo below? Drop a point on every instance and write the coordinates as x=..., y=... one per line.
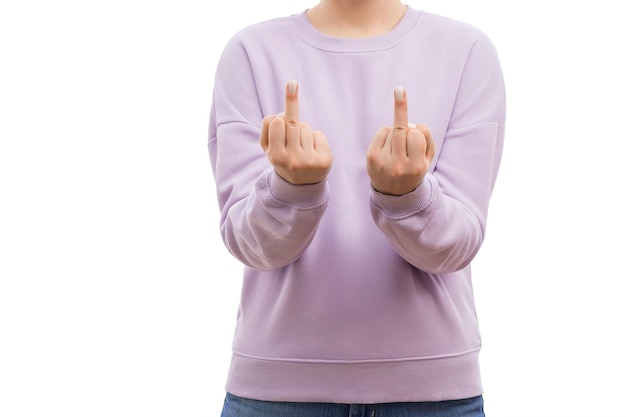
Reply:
x=297, y=153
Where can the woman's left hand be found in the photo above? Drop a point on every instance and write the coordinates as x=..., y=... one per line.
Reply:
x=399, y=157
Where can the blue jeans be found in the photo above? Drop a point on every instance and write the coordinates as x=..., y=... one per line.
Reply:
x=242, y=407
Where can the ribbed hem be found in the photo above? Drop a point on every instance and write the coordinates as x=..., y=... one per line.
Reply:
x=438, y=379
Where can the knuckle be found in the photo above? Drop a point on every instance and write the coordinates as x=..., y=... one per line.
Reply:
x=275, y=158
x=292, y=123
x=373, y=158
x=327, y=160
x=398, y=171
x=277, y=122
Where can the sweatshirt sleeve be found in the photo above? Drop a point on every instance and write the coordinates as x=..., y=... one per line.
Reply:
x=440, y=226
x=265, y=222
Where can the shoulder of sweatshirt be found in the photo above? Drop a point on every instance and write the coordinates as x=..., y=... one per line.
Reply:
x=451, y=29
x=261, y=31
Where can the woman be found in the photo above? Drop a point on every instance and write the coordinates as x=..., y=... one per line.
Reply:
x=356, y=227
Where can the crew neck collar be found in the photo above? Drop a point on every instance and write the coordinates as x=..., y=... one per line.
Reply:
x=317, y=39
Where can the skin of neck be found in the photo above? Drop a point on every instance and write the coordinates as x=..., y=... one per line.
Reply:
x=356, y=18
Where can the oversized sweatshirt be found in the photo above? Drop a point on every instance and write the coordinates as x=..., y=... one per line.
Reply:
x=350, y=295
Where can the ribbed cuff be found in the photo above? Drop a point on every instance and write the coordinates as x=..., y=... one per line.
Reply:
x=304, y=196
x=405, y=205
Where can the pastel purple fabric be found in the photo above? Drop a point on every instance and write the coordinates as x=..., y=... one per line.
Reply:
x=350, y=295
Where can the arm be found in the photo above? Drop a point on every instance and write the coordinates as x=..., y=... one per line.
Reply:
x=439, y=226
x=266, y=222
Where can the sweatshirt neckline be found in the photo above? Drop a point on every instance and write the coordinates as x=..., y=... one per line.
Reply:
x=317, y=39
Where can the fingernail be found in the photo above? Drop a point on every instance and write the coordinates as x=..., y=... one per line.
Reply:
x=292, y=86
x=399, y=93
x=282, y=114
x=412, y=125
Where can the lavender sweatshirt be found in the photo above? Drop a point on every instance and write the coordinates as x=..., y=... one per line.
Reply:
x=350, y=295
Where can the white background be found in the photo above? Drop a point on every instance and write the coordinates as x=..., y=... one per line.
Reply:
x=117, y=297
